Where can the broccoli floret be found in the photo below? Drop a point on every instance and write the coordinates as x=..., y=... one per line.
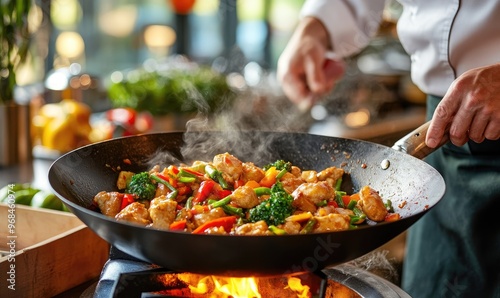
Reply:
x=142, y=186
x=280, y=165
x=275, y=209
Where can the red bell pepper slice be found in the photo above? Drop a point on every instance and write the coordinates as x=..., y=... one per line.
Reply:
x=223, y=193
x=346, y=199
x=127, y=200
x=226, y=222
x=178, y=225
x=204, y=191
x=192, y=172
x=172, y=182
x=333, y=203
x=238, y=183
x=184, y=190
x=173, y=169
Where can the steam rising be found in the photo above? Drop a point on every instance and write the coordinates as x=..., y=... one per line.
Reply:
x=261, y=106
x=240, y=127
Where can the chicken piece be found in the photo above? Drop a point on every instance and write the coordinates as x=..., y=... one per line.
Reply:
x=290, y=182
x=310, y=176
x=308, y=195
x=162, y=212
x=372, y=204
x=123, y=178
x=296, y=171
x=136, y=213
x=331, y=175
x=202, y=218
x=154, y=169
x=252, y=172
x=197, y=164
x=216, y=231
x=230, y=166
x=161, y=190
x=344, y=211
x=183, y=214
x=291, y=227
x=245, y=197
x=331, y=223
x=109, y=202
x=253, y=229
x=322, y=211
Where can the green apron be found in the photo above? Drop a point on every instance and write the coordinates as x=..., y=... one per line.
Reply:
x=454, y=250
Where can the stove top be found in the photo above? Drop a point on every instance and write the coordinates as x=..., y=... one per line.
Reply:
x=126, y=276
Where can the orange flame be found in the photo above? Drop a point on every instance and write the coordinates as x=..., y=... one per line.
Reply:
x=227, y=286
x=244, y=287
x=295, y=284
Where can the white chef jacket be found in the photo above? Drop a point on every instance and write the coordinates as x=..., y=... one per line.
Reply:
x=444, y=38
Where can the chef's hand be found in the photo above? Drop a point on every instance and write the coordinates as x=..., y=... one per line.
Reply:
x=470, y=109
x=304, y=71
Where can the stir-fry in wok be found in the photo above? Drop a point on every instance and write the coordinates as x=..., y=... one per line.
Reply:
x=228, y=196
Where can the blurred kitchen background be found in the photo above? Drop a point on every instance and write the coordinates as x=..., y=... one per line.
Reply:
x=97, y=70
x=103, y=69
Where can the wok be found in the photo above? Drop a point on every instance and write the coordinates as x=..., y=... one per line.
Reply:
x=411, y=184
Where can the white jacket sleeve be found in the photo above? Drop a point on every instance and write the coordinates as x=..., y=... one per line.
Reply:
x=351, y=23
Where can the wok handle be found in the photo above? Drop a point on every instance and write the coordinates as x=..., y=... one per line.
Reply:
x=414, y=142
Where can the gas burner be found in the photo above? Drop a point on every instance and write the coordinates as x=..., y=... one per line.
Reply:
x=126, y=276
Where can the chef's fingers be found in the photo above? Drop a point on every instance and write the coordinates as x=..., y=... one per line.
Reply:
x=334, y=69
x=492, y=131
x=441, y=120
x=323, y=73
x=315, y=75
x=295, y=88
x=460, y=125
x=478, y=127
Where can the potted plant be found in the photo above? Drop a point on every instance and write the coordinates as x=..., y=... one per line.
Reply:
x=175, y=92
x=14, y=46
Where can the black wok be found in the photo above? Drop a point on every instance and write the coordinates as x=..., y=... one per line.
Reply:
x=412, y=185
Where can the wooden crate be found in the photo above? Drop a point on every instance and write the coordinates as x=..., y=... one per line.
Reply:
x=49, y=253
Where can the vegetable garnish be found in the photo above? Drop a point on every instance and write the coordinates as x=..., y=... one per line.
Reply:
x=277, y=231
x=204, y=191
x=178, y=225
x=127, y=200
x=308, y=226
x=276, y=209
x=228, y=196
x=270, y=177
x=164, y=180
x=226, y=222
x=216, y=175
x=141, y=185
x=338, y=198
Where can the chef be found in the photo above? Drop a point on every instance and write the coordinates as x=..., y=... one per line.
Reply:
x=454, y=250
